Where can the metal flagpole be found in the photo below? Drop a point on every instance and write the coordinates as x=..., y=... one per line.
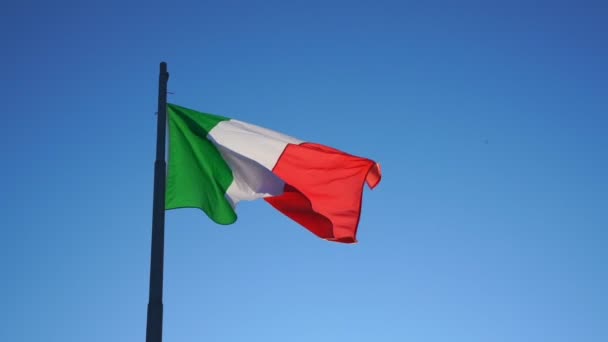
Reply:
x=154, y=328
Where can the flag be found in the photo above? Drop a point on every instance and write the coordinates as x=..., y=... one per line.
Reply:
x=215, y=162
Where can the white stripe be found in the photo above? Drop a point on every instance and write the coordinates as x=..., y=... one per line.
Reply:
x=251, y=152
x=256, y=143
x=251, y=180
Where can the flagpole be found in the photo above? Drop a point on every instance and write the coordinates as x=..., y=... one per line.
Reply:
x=154, y=328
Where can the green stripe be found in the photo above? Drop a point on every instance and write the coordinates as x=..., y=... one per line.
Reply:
x=198, y=176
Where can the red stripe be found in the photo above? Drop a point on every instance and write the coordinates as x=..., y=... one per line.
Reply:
x=324, y=189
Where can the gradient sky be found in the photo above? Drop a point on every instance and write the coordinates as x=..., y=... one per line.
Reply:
x=489, y=120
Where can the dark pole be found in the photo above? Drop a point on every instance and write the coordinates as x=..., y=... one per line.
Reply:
x=154, y=329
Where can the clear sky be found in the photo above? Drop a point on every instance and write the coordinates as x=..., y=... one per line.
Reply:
x=489, y=120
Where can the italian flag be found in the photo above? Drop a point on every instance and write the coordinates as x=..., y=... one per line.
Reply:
x=215, y=162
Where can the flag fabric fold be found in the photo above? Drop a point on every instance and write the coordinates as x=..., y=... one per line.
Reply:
x=215, y=162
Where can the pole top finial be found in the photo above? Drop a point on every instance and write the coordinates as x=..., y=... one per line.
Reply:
x=163, y=70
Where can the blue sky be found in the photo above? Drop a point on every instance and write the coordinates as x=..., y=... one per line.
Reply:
x=489, y=120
